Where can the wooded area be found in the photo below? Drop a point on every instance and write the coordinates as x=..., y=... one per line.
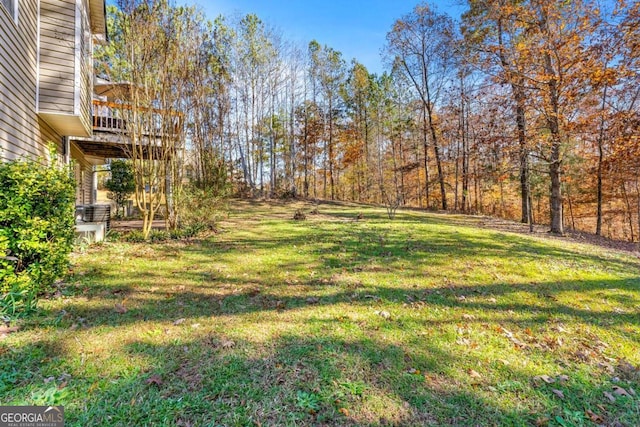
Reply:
x=525, y=109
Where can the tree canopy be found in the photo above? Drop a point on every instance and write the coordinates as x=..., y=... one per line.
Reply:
x=524, y=109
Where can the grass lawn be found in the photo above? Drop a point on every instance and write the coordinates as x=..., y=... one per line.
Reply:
x=423, y=320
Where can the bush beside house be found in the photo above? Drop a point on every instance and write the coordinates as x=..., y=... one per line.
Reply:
x=36, y=231
x=121, y=184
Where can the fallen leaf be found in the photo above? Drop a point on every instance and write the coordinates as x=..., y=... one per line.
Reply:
x=474, y=374
x=547, y=379
x=6, y=330
x=120, y=308
x=609, y=396
x=620, y=391
x=344, y=411
x=627, y=370
x=542, y=421
x=228, y=344
x=594, y=417
x=563, y=378
x=558, y=393
x=468, y=316
x=559, y=328
x=384, y=314
x=492, y=300
x=606, y=366
x=179, y=321
x=154, y=380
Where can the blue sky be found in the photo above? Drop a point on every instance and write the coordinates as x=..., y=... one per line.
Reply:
x=357, y=28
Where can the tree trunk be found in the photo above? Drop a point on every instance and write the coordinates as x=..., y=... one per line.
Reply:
x=556, y=193
x=517, y=88
x=600, y=161
x=426, y=155
x=629, y=211
x=523, y=151
x=436, y=151
x=465, y=163
x=555, y=164
x=573, y=221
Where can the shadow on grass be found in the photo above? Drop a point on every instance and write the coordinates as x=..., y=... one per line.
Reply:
x=156, y=292
x=337, y=369
x=299, y=380
x=494, y=302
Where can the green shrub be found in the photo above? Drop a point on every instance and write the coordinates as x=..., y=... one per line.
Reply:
x=121, y=184
x=202, y=207
x=36, y=230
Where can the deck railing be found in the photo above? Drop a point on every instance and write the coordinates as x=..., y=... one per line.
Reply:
x=113, y=117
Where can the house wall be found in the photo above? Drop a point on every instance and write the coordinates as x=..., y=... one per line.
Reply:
x=57, y=56
x=83, y=171
x=22, y=133
x=66, y=65
x=86, y=65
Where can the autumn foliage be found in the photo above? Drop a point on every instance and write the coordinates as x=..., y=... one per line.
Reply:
x=523, y=109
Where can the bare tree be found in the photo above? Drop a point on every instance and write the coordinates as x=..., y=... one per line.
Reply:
x=420, y=43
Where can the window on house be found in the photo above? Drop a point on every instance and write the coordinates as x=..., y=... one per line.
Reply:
x=11, y=6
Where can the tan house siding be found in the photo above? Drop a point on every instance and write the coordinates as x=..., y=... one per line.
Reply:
x=50, y=137
x=46, y=81
x=86, y=65
x=83, y=171
x=57, y=56
x=19, y=128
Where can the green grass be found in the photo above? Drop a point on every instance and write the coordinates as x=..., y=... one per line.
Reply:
x=423, y=320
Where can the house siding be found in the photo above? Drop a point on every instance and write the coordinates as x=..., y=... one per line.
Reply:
x=83, y=171
x=20, y=130
x=86, y=67
x=57, y=68
x=46, y=67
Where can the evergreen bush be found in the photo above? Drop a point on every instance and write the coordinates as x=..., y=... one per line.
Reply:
x=36, y=230
x=121, y=184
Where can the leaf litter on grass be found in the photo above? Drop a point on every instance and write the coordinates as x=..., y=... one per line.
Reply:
x=494, y=357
